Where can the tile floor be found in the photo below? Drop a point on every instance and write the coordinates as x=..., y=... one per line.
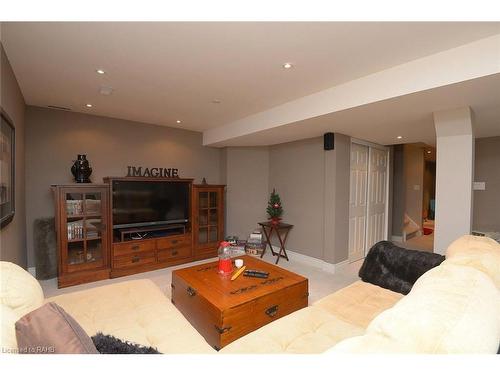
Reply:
x=321, y=282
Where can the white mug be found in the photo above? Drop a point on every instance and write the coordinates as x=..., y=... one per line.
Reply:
x=238, y=263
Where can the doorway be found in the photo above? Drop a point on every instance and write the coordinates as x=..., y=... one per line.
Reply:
x=414, y=193
x=368, y=197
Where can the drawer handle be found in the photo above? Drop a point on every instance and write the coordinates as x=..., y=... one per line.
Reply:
x=175, y=252
x=135, y=247
x=272, y=311
x=174, y=242
x=191, y=292
x=135, y=259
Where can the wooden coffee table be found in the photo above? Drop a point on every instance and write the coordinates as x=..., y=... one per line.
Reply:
x=223, y=310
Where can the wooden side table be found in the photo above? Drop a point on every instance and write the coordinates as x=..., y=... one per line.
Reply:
x=281, y=228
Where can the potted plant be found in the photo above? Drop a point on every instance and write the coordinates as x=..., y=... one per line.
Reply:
x=274, y=208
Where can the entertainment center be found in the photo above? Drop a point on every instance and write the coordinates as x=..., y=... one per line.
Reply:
x=130, y=225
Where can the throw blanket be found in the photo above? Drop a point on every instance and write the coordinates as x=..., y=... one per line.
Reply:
x=395, y=268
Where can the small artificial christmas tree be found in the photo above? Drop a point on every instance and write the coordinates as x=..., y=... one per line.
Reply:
x=274, y=208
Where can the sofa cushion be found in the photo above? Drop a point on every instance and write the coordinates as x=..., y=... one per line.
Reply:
x=359, y=302
x=135, y=311
x=309, y=330
x=18, y=289
x=482, y=253
x=51, y=330
x=396, y=268
x=451, y=309
x=370, y=344
x=315, y=329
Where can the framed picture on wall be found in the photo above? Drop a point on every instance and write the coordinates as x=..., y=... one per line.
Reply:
x=7, y=169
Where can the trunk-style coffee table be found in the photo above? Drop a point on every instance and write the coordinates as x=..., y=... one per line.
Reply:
x=223, y=310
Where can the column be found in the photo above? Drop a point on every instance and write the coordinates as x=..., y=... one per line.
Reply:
x=454, y=175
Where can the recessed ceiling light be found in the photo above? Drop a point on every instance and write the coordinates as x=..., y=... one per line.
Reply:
x=216, y=101
x=178, y=121
x=287, y=65
x=399, y=137
x=100, y=71
x=88, y=105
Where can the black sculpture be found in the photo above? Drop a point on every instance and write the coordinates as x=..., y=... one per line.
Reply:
x=81, y=169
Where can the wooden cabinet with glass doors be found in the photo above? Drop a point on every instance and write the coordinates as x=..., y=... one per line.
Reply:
x=208, y=214
x=82, y=221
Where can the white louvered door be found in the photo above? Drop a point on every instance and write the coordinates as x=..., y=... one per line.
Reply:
x=377, y=197
x=358, y=201
x=367, y=199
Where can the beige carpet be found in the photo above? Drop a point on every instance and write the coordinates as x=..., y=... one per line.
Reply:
x=321, y=282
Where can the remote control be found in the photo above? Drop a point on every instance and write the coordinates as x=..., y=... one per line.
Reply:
x=259, y=272
x=260, y=276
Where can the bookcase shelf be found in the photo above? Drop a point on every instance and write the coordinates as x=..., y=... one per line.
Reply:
x=82, y=215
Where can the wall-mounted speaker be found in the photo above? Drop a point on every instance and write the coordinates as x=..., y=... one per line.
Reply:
x=329, y=141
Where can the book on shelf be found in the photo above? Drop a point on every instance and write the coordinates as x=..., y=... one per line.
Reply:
x=255, y=248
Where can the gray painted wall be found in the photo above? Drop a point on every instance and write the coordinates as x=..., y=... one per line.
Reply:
x=12, y=236
x=54, y=138
x=339, y=183
x=314, y=189
x=297, y=171
x=391, y=192
x=414, y=176
x=486, y=214
x=246, y=171
x=398, y=196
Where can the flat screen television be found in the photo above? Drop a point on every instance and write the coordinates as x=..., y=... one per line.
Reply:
x=149, y=203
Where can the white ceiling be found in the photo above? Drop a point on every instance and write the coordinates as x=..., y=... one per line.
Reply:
x=161, y=72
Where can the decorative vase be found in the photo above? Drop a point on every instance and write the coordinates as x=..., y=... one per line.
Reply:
x=81, y=169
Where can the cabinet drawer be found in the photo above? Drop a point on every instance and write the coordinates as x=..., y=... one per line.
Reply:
x=176, y=253
x=207, y=251
x=173, y=242
x=134, y=260
x=126, y=248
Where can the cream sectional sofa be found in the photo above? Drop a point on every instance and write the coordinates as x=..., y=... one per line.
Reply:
x=453, y=308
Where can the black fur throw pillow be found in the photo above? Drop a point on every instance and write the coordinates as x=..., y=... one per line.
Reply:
x=107, y=344
x=395, y=268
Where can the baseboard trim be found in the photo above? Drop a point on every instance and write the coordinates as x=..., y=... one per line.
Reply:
x=341, y=265
x=32, y=271
x=314, y=262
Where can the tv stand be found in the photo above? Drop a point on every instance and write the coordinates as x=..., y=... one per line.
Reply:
x=127, y=234
x=90, y=250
